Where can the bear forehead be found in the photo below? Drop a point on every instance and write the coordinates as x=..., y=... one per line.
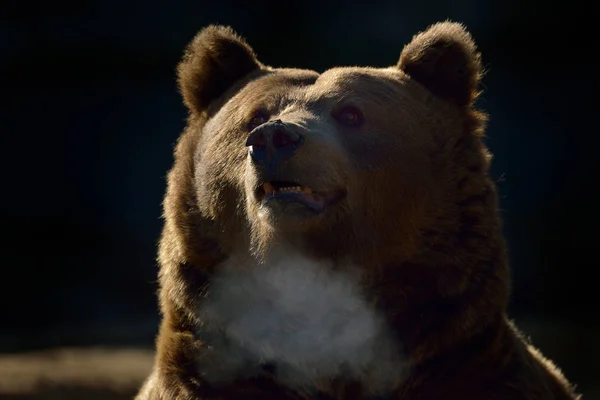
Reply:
x=352, y=83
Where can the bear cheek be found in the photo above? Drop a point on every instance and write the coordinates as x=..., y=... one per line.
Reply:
x=218, y=184
x=396, y=202
x=250, y=185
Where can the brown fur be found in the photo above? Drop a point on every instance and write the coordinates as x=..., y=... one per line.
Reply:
x=419, y=214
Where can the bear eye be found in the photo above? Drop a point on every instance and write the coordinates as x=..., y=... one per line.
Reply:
x=257, y=120
x=350, y=116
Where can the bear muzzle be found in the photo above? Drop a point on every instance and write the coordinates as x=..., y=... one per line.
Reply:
x=287, y=194
x=272, y=143
x=280, y=186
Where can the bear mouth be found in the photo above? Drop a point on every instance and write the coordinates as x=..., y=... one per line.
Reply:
x=294, y=192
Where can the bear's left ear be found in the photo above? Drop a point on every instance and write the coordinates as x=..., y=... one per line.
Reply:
x=445, y=60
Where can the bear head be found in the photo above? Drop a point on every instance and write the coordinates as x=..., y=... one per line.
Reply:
x=381, y=167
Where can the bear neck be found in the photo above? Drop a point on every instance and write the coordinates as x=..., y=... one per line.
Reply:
x=457, y=285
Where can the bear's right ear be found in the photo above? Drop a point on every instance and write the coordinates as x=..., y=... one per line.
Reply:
x=215, y=59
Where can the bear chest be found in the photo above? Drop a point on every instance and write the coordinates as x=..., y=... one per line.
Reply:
x=306, y=321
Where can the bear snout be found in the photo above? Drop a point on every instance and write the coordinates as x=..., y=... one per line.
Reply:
x=272, y=143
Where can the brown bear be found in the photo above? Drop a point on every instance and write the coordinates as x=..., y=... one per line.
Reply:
x=335, y=235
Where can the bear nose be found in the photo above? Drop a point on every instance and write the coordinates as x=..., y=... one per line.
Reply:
x=273, y=142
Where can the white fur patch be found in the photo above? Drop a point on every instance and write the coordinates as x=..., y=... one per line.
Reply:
x=298, y=315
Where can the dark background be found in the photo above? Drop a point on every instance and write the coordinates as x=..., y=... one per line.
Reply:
x=90, y=113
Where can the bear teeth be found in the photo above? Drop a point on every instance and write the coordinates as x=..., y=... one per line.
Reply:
x=290, y=189
x=270, y=189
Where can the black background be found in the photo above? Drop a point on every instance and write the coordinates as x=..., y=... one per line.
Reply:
x=90, y=113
